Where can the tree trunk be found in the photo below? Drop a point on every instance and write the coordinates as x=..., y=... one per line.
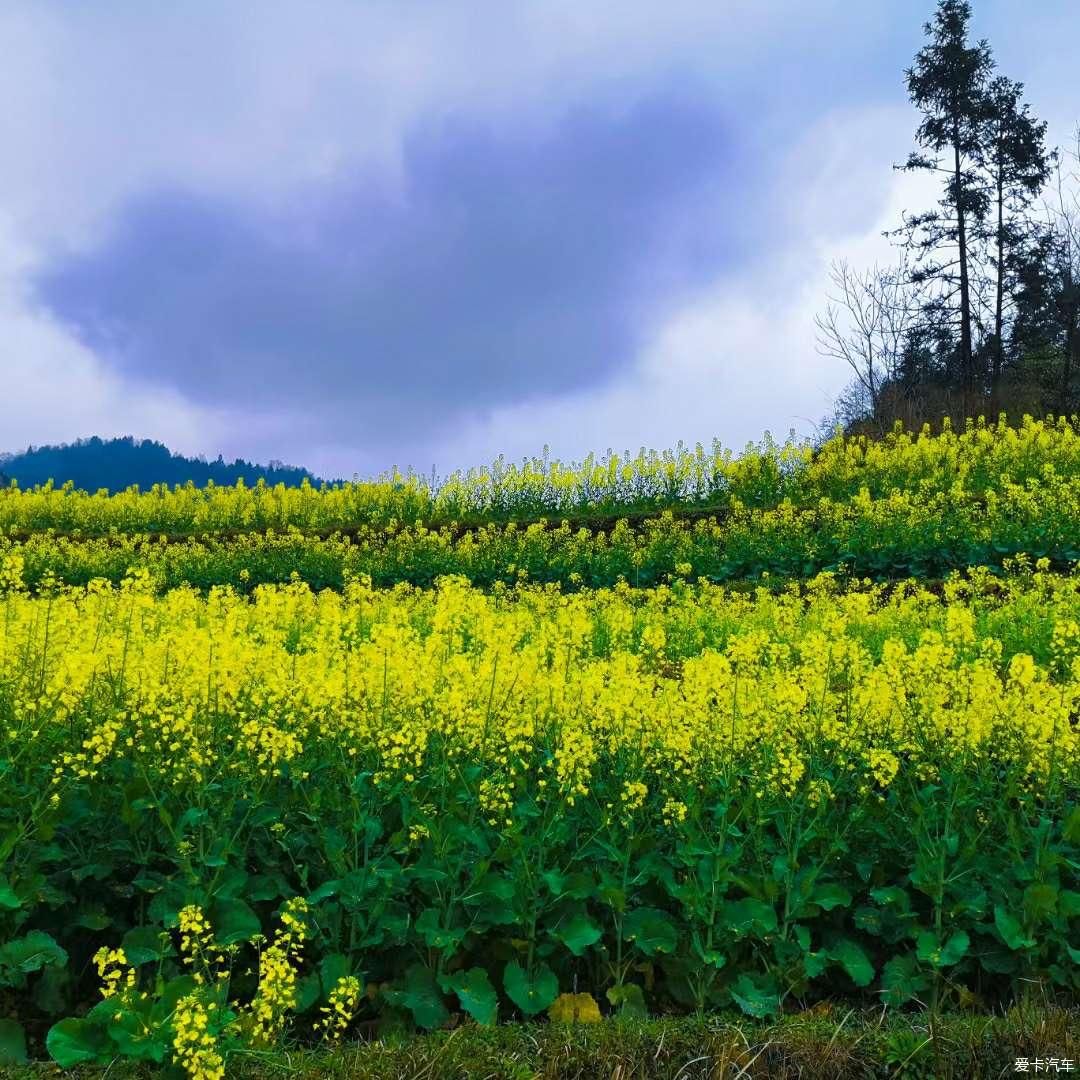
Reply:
x=999, y=300
x=967, y=367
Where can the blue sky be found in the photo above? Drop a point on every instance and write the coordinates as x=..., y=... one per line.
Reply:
x=351, y=235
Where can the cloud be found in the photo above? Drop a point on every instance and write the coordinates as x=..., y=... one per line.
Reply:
x=505, y=265
x=339, y=177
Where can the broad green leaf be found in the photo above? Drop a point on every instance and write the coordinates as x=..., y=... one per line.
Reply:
x=324, y=892
x=177, y=987
x=421, y=996
x=651, y=930
x=8, y=900
x=892, y=896
x=578, y=933
x=309, y=990
x=436, y=936
x=745, y=916
x=233, y=922
x=932, y=951
x=753, y=1000
x=334, y=968
x=490, y=887
x=476, y=994
x=711, y=957
x=134, y=1036
x=629, y=1000
x=74, y=1042
x=1010, y=929
x=32, y=952
x=853, y=959
x=830, y=896
x=92, y=919
x=146, y=945
x=51, y=991
x=901, y=980
x=12, y=1043
x=955, y=948
x=530, y=994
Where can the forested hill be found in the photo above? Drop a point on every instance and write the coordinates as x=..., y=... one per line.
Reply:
x=116, y=464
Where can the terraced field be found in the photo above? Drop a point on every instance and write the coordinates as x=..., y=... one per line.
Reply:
x=674, y=734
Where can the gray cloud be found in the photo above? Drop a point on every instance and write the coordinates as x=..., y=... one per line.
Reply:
x=504, y=265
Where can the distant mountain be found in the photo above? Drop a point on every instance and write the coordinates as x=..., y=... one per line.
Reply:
x=116, y=464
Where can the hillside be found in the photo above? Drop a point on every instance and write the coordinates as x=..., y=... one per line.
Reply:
x=117, y=464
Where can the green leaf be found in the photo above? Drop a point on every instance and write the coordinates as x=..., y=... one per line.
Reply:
x=530, y=995
x=901, y=980
x=233, y=922
x=8, y=900
x=51, y=991
x=476, y=994
x=830, y=896
x=334, y=968
x=135, y=1037
x=1010, y=929
x=92, y=919
x=32, y=952
x=931, y=951
x=753, y=1000
x=746, y=916
x=146, y=945
x=177, y=987
x=578, y=933
x=629, y=1000
x=73, y=1042
x=892, y=896
x=955, y=948
x=421, y=997
x=814, y=963
x=713, y=958
x=12, y=1043
x=853, y=959
x=651, y=930
x=435, y=936
x=309, y=990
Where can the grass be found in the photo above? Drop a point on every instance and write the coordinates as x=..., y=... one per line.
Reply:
x=824, y=1043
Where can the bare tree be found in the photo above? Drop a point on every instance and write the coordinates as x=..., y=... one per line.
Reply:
x=869, y=317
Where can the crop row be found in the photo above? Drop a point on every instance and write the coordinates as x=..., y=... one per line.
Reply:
x=669, y=799
x=903, y=534
x=981, y=458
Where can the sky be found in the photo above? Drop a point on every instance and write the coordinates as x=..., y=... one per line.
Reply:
x=357, y=235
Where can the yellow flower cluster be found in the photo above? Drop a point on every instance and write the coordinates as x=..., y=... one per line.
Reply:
x=343, y=1001
x=113, y=970
x=543, y=688
x=762, y=475
x=198, y=950
x=195, y=1048
x=276, y=994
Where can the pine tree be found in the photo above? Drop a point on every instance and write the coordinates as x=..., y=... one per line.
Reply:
x=1017, y=167
x=948, y=83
